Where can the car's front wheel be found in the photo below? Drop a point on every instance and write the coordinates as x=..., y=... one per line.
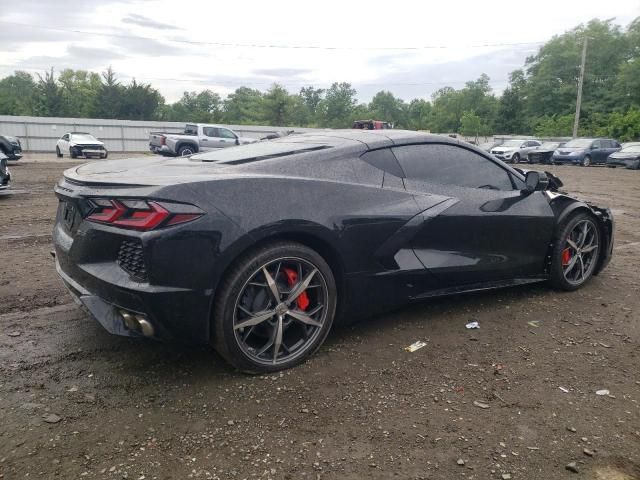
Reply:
x=586, y=161
x=274, y=308
x=576, y=252
x=515, y=158
x=58, y=152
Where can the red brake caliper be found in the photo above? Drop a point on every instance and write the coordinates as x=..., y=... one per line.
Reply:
x=292, y=278
x=566, y=256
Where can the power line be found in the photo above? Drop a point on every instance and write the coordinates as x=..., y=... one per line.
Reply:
x=266, y=45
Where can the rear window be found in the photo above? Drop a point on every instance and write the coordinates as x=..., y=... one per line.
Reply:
x=257, y=151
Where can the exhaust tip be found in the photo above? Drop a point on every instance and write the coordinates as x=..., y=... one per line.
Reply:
x=137, y=323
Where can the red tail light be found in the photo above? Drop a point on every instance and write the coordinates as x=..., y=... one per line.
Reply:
x=139, y=214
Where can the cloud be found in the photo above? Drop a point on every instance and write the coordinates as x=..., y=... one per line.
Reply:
x=76, y=57
x=146, y=22
x=282, y=72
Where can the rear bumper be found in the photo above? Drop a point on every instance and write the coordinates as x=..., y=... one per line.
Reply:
x=88, y=264
x=161, y=150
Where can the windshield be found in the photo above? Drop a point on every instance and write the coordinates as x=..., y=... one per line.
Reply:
x=549, y=145
x=579, y=143
x=83, y=137
x=631, y=149
x=512, y=143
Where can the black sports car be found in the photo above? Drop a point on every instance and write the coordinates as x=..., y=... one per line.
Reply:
x=258, y=248
x=5, y=175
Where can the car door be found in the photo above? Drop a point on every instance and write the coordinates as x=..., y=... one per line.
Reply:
x=598, y=151
x=226, y=138
x=63, y=144
x=490, y=232
x=209, y=139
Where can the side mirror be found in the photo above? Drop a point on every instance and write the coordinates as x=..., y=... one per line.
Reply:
x=535, y=181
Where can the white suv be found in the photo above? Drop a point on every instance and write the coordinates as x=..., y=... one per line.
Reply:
x=515, y=150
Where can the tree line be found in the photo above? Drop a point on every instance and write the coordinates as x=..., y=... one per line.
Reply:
x=540, y=99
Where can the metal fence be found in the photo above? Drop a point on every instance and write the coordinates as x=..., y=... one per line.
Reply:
x=39, y=134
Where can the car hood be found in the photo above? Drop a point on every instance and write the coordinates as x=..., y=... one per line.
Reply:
x=624, y=155
x=545, y=150
x=571, y=149
x=245, y=140
x=504, y=149
x=86, y=142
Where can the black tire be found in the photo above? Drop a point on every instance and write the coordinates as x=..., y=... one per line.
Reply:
x=58, y=153
x=515, y=158
x=224, y=338
x=71, y=154
x=586, y=161
x=106, y=154
x=186, y=150
x=558, y=279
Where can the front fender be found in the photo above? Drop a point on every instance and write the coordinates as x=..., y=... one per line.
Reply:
x=564, y=206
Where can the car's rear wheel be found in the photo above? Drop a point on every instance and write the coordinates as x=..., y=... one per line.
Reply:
x=185, y=150
x=274, y=308
x=58, y=152
x=576, y=252
x=586, y=161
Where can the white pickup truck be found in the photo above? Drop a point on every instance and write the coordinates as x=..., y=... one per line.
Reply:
x=197, y=137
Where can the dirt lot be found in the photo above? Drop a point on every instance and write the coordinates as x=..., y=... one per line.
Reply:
x=76, y=402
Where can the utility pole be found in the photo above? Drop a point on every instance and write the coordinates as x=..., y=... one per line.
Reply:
x=576, y=122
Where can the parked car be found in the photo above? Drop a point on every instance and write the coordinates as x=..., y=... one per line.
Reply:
x=543, y=153
x=197, y=137
x=371, y=125
x=628, y=144
x=80, y=144
x=585, y=151
x=5, y=175
x=330, y=225
x=515, y=150
x=626, y=157
x=11, y=147
x=488, y=146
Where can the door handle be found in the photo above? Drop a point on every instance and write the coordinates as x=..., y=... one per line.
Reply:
x=204, y=140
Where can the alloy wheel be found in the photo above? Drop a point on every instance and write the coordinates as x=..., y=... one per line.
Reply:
x=280, y=311
x=580, y=254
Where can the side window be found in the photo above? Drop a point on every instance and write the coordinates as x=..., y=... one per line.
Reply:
x=224, y=133
x=597, y=144
x=451, y=165
x=65, y=137
x=209, y=131
x=385, y=160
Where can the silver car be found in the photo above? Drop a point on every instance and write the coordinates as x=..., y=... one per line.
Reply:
x=515, y=150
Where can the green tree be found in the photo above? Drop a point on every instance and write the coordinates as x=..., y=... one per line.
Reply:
x=79, y=89
x=337, y=107
x=419, y=114
x=140, y=102
x=511, y=114
x=385, y=106
x=18, y=94
x=243, y=106
x=276, y=106
x=108, y=102
x=49, y=99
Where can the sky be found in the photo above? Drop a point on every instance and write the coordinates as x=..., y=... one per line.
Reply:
x=411, y=48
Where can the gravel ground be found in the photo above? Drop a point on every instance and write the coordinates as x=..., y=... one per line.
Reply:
x=515, y=399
